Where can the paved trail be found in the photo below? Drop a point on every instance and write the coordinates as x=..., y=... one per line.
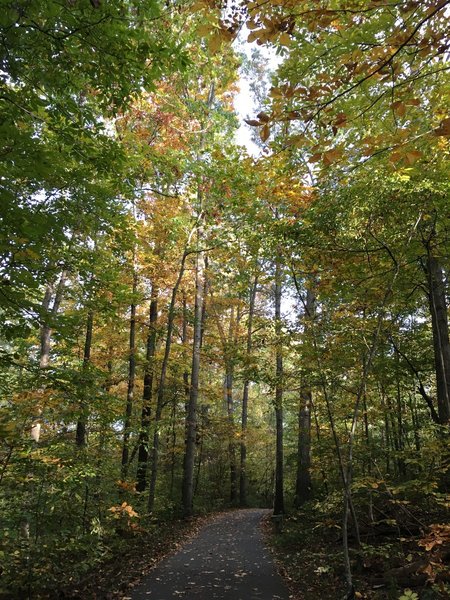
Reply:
x=227, y=560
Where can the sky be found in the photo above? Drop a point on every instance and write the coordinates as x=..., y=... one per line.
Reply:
x=243, y=102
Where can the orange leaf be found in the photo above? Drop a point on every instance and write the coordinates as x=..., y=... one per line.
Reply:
x=395, y=157
x=413, y=156
x=315, y=157
x=264, y=133
x=444, y=128
x=331, y=156
x=252, y=122
x=264, y=117
x=341, y=120
x=412, y=102
x=399, y=108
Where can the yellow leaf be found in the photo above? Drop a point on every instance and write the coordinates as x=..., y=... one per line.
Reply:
x=215, y=42
x=275, y=92
x=285, y=39
x=299, y=141
x=197, y=6
x=203, y=30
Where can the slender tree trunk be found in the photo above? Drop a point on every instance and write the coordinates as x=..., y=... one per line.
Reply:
x=199, y=442
x=191, y=416
x=231, y=443
x=387, y=430
x=46, y=332
x=228, y=349
x=415, y=421
x=44, y=354
x=303, y=485
x=278, y=507
x=162, y=385
x=81, y=432
x=243, y=479
x=187, y=486
x=367, y=434
x=400, y=425
x=45, y=335
x=141, y=474
x=185, y=346
x=173, y=446
x=131, y=384
x=98, y=494
x=441, y=344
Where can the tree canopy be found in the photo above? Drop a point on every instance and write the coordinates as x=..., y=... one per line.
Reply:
x=187, y=327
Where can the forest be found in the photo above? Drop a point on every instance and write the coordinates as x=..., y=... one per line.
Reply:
x=190, y=327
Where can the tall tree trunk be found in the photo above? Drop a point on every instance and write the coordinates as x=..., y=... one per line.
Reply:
x=231, y=443
x=184, y=340
x=228, y=348
x=228, y=342
x=243, y=479
x=81, y=432
x=45, y=336
x=441, y=344
x=141, y=474
x=173, y=444
x=303, y=486
x=131, y=384
x=191, y=416
x=46, y=332
x=278, y=507
x=162, y=384
x=187, y=486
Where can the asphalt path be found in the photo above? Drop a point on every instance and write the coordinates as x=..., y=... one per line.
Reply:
x=226, y=560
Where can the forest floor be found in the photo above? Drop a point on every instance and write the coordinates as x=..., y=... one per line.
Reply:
x=398, y=562
x=138, y=553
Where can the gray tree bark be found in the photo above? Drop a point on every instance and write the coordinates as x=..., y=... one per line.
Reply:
x=303, y=485
x=441, y=344
x=131, y=385
x=143, y=450
x=191, y=416
x=278, y=507
x=243, y=479
x=81, y=431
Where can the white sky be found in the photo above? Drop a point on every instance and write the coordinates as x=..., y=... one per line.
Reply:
x=243, y=102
